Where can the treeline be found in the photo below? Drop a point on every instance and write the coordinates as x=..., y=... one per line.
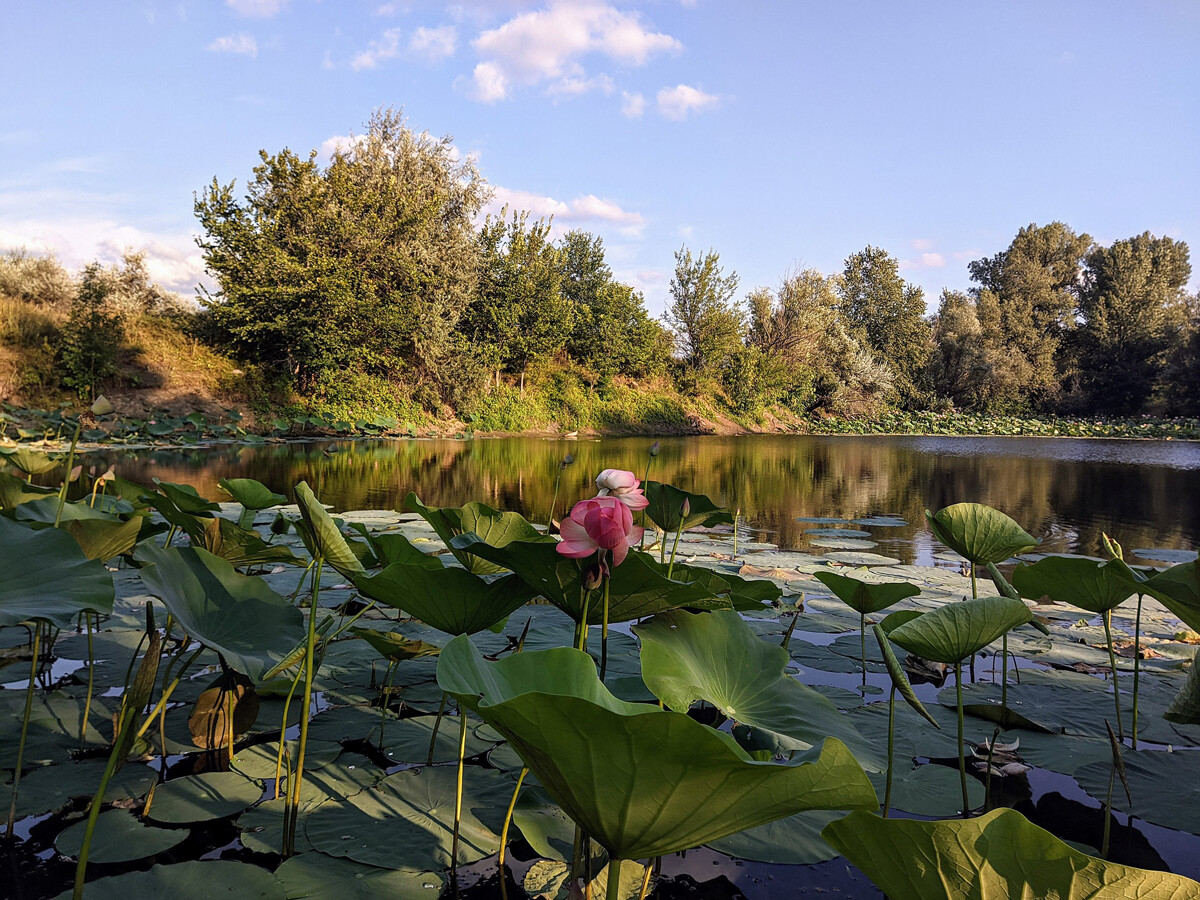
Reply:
x=371, y=283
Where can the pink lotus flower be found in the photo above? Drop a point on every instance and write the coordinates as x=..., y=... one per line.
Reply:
x=601, y=523
x=622, y=485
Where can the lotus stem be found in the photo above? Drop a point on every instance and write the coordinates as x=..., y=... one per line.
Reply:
x=29, y=688
x=1112, y=775
x=170, y=537
x=1137, y=666
x=289, y=836
x=62, y=494
x=437, y=723
x=674, y=547
x=287, y=703
x=554, y=500
x=614, y=880
x=787, y=635
x=581, y=638
x=645, y=880
x=1004, y=673
x=1112, y=662
x=862, y=646
x=387, y=689
x=736, y=518
x=458, y=791
x=229, y=729
x=512, y=805
x=887, y=791
x=962, y=763
x=93, y=814
x=87, y=703
x=161, y=706
x=974, y=596
x=987, y=788
x=604, y=631
x=645, y=478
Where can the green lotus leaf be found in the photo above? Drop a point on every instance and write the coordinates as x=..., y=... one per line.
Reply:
x=45, y=575
x=322, y=537
x=50, y=788
x=717, y=657
x=119, y=837
x=638, y=587
x=795, y=840
x=241, y=547
x=319, y=877
x=1000, y=854
x=187, y=499
x=492, y=527
x=395, y=647
x=745, y=594
x=1075, y=580
x=641, y=781
x=251, y=494
x=954, y=631
x=1178, y=589
x=14, y=491
x=1163, y=787
x=181, y=881
x=899, y=679
x=102, y=540
x=979, y=533
x=394, y=548
x=865, y=597
x=31, y=462
x=202, y=798
x=237, y=615
x=1185, y=708
x=666, y=503
x=449, y=599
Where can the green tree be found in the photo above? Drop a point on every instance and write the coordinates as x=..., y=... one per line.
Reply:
x=93, y=334
x=365, y=265
x=1133, y=310
x=707, y=323
x=1036, y=283
x=886, y=315
x=1182, y=379
x=519, y=314
x=969, y=365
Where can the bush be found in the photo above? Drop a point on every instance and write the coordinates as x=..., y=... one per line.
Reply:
x=39, y=280
x=93, y=334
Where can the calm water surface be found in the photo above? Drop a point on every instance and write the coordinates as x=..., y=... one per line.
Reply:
x=1066, y=491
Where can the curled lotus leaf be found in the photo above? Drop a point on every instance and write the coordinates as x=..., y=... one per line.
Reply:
x=866, y=597
x=641, y=781
x=666, y=508
x=44, y=575
x=953, y=632
x=979, y=533
x=1075, y=580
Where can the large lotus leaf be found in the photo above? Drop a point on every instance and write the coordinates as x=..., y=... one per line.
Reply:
x=795, y=840
x=979, y=533
x=14, y=491
x=956, y=630
x=746, y=594
x=237, y=615
x=55, y=722
x=666, y=504
x=638, y=588
x=202, y=798
x=717, y=657
x=241, y=547
x=449, y=599
x=188, y=880
x=866, y=597
x=319, y=877
x=1185, y=708
x=394, y=548
x=189, y=523
x=187, y=499
x=47, y=510
x=1178, y=589
x=642, y=781
x=1077, y=580
x=1163, y=786
x=45, y=575
x=50, y=788
x=321, y=534
x=253, y=495
x=395, y=647
x=30, y=461
x=407, y=819
x=119, y=837
x=103, y=540
x=493, y=527
x=1000, y=854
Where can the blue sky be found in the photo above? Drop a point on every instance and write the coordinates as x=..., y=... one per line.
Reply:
x=780, y=134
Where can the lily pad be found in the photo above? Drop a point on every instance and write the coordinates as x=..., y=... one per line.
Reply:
x=795, y=840
x=861, y=558
x=837, y=532
x=407, y=741
x=202, y=798
x=50, y=788
x=928, y=790
x=842, y=544
x=119, y=837
x=219, y=877
x=318, y=876
x=880, y=522
x=1163, y=785
x=1166, y=554
x=45, y=575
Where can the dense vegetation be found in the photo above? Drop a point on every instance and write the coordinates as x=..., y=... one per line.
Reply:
x=369, y=286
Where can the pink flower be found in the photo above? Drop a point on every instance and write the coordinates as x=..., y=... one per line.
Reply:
x=622, y=485
x=601, y=523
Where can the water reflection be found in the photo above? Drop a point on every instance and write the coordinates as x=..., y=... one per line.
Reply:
x=1069, y=492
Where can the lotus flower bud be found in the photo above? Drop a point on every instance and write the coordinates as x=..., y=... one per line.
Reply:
x=685, y=508
x=594, y=575
x=567, y=460
x=654, y=449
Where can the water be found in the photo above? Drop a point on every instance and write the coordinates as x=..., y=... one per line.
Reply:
x=1066, y=491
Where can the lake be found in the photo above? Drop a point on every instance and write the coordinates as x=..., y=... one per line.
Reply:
x=1066, y=491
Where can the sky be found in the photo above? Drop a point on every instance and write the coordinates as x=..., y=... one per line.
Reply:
x=782, y=135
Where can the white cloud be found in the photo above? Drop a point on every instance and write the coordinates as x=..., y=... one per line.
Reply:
x=573, y=87
x=632, y=105
x=927, y=260
x=679, y=102
x=547, y=45
x=922, y=244
x=241, y=43
x=339, y=142
x=585, y=208
x=258, y=9
x=433, y=44
x=387, y=46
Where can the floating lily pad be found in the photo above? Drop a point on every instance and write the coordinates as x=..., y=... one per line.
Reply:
x=861, y=558
x=837, y=532
x=795, y=840
x=880, y=522
x=1163, y=785
x=407, y=820
x=119, y=837
x=843, y=544
x=50, y=788
x=1166, y=554
x=259, y=761
x=202, y=798
x=182, y=881
x=319, y=876
x=927, y=790
x=822, y=520
x=407, y=741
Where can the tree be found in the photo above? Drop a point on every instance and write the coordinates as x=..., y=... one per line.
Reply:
x=968, y=364
x=93, y=334
x=365, y=265
x=707, y=324
x=519, y=315
x=886, y=315
x=1035, y=282
x=1133, y=311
